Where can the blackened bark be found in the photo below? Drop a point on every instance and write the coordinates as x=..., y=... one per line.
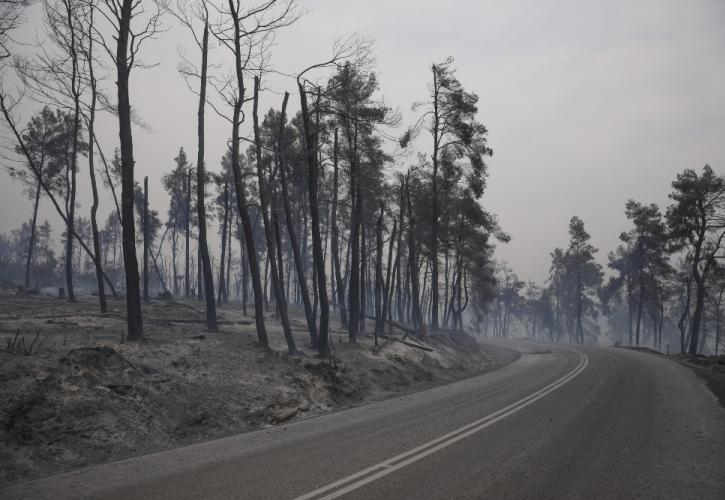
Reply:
x=227, y=290
x=268, y=230
x=133, y=296
x=211, y=323
x=224, y=243
x=146, y=238
x=31, y=245
x=313, y=176
x=387, y=289
x=75, y=91
x=399, y=280
x=363, y=265
x=294, y=243
x=336, y=237
x=240, y=189
x=379, y=316
x=355, y=217
x=435, y=201
x=92, y=171
x=412, y=261
x=187, y=276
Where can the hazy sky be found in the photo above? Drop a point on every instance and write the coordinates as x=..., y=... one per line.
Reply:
x=588, y=103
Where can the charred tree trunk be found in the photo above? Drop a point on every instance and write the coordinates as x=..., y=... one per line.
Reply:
x=187, y=276
x=391, y=274
x=336, y=237
x=211, y=323
x=227, y=290
x=146, y=238
x=399, y=280
x=92, y=171
x=294, y=243
x=363, y=265
x=133, y=297
x=640, y=306
x=268, y=230
x=412, y=261
x=244, y=262
x=222, y=263
x=355, y=218
x=174, y=267
x=313, y=175
x=697, y=315
x=435, y=201
x=75, y=91
x=31, y=246
x=379, y=287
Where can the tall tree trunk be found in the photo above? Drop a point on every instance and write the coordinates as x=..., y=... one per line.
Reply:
x=630, y=313
x=224, y=243
x=341, y=304
x=697, y=315
x=244, y=262
x=446, y=285
x=391, y=273
x=294, y=243
x=718, y=321
x=174, y=251
x=363, y=265
x=146, y=238
x=278, y=240
x=640, y=306
x=187, y=276
x=268, y=230
x=75, y=91
x=199, y=278
x=31, y=245
x=412, y=261
x=211, y=323
x=399, y=281
x=133, y=296
x=580, y=330
x=92, y=169
x=355, y=279
x=435, y=201
x=379, y=287
x=227, y=290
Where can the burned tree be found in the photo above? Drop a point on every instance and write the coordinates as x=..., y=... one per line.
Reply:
x=120, y=15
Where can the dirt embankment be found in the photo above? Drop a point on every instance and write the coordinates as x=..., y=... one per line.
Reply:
x=709, y=368
x=73, y=393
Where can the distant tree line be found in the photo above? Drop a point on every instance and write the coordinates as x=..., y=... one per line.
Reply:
x=666, y=284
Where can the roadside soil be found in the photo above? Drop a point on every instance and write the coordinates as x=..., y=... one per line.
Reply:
x=74, y=393
x=711, y=369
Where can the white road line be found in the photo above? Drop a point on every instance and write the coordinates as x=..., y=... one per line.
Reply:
x=389, y=466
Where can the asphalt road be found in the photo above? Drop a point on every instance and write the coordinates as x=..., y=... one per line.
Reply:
x=557, y=423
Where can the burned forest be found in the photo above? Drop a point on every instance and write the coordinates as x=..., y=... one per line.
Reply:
x=225, y=219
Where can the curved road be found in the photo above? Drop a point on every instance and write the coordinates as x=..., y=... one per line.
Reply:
x=558, y=423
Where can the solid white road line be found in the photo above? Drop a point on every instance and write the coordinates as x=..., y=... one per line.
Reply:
x=389, y=466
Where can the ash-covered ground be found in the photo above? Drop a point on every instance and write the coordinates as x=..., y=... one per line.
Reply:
x=73, y=392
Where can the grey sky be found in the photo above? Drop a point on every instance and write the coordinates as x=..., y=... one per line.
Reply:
x=588, y=103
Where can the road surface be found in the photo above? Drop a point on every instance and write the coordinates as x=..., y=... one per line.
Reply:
x=558, y=423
